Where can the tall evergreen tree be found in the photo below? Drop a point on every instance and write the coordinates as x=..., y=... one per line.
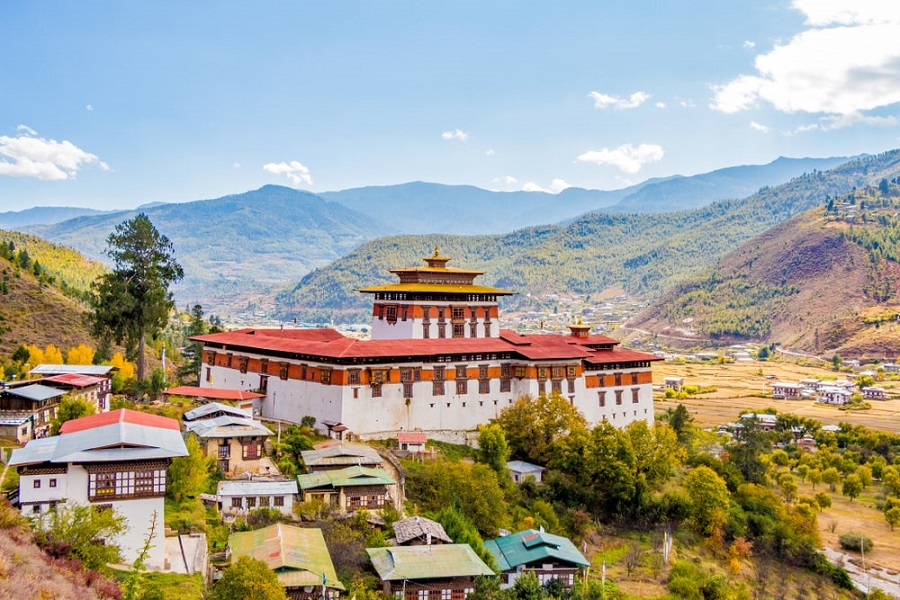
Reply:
x=133, y=300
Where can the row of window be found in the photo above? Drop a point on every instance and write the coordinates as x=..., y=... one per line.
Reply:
x=127, y=484
x=426, y=594
x=635, y=396
x=258, y=501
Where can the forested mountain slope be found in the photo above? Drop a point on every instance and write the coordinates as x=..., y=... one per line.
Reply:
x=645, y=253
x=825, y=281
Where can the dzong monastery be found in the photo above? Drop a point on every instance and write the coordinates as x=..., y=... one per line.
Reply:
x=437, y=361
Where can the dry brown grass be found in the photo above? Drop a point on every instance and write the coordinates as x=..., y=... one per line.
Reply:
x=740, y=385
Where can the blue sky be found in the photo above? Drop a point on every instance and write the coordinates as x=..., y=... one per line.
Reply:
x=116, y=104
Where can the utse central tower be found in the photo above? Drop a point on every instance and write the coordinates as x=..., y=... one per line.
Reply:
x=438, y=361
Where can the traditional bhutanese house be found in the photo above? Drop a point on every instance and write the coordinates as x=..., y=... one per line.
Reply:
x=104, y=372
x=807, y=442
x=873, y=393
x=340, y=455
x=437, y=361
x=419, y=531
x=519, y=470
x=115, y=460
x=350, y=489
x=238, y=497
x=547, y=556
x=91, y=388
x=298, y=555
x=674, y=383
x=444, y=571
x=212, y=410
x=245, y=400
x=787, y=391
x=236, y=443
x=834, y=395
x=412, y=441
x=29, y=409
x=761, y=421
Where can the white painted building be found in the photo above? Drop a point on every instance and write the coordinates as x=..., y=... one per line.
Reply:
x=437, y=361
x=240, y=497
x=116, y=460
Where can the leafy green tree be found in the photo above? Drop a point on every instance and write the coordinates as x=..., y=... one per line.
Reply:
x=832, y=477
x=527, y=587
x=710, y=499
x=462, y=531
x=82, y=532
x=493, y=450
x=486, y=588
x=70, y=407
x=852, y=486
x=21, y=355
x=189, y=475
x=193, y=352
x=746, y=452
x=681, y=422
x=248, y=579
x=293, y=442
x=892, y=516
x=532, y=425
x=133, y=300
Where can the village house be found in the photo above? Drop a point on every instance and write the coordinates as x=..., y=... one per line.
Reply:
x=429, y=572
x=437, y=362
x=236, y=443
x=336, y=455
x=810, y=384
x=27, y=410
x=519, y=470
x=674, y=383
x=873, y=392
x=350, y=489
x=761, y=421
x=243, y=400
x=834, y=395
x=116, y=460
x=412, y=441
x=297, y=555
x=211, y=410
x=547, y=556
x=787, y=391
x=239, y=497
x=419, y=531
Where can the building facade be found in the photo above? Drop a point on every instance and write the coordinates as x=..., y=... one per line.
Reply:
x=437, y=361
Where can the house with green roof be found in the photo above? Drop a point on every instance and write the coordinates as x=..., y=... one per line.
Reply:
x=350, y=489
x=298, y=555
x=548, y=556
x=435, y=572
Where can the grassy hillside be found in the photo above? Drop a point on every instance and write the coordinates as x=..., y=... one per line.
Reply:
x=645, y=253
x=825, y=281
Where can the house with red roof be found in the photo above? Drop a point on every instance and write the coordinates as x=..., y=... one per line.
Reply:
x=115, y=460
x=437, y=361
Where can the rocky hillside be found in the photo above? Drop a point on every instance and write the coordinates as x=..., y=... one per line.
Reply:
x=824, y=282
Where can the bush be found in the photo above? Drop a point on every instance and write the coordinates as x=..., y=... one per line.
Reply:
x=856, y=541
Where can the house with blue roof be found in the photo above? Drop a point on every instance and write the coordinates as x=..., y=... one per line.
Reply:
x=546, y=555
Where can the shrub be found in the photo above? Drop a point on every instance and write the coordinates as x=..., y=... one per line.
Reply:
x=855, y=541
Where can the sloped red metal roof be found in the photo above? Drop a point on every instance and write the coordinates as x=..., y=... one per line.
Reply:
x=76, y=379
x=192, y=391
x=122, y=415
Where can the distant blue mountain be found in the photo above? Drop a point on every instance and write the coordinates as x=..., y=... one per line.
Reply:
x=43, y=215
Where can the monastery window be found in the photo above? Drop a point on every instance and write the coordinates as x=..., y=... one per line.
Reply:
x=379, y=376
x=602, y=396
x=283, y=370
x=473, y=330
x=376, y=390
x=406, y=374
x=634, y=378
x=571, y=372
x=440, y=315
x=325, y=375
x=482, y=371
x=355, y=393
x=303, y=372
x=242, y=363
x=487, y=329
x=208, y=375
x=437, y=388
x=264, y=365
x=263, y=383
x=520, y=372
x=442, y=330
x=484, y=386
x=407, y=390
x=634, y=395
x=504, y=370
x=457, y=312
x=439, y=374
x=230, y=357
x=391, y=313
x=459, y=330
x=404, y=312
x=558, y=372
x=210, y=358
x=353, y=376
x=461, y=372
x=426, y=314
x=571, y=388
x=618, y=397
x=504, y=385
x=278, y=501
x=618, y=378
x=53, y=483
x=426, y=330
x=542, y=372
x=462, y=387
x=556, y=386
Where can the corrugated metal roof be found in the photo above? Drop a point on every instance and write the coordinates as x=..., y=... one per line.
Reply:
x=520, y=466
x=252, y=488
x=76, y=379
x=530, y=546
x=436, y=561
x=341, y=454
x=122, y=416
x=36, y=392
x=192, y=391
x=416, y=527
x=351, y=476
x=412, y=437
x=48, y=369
x=297, y=554
x=212, y=408
x=227, y=426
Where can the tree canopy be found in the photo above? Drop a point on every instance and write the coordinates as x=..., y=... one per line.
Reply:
x=133, y=300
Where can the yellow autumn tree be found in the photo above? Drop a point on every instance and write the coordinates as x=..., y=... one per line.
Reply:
x=81, y=354
x=52, y=355
x=35, y=355
x=126, y=369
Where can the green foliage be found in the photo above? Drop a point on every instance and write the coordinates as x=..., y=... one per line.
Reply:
x=493, y=450
x=461, y=530
x=189, y=474
x=533, y=425
x=70, y=407
x=487, y=588
x=855, y=542
x=294, y=441
x=133, y=301
x=248, y=579
x=527, y=587
x=82, y=532
x=710, y=500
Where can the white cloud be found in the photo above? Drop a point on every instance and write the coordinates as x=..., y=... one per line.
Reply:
x=633, y=101
x=456, y=134
x=27, y=155
x=507, y=179
x=846, y=62
x=489, y=152
x=555, y=187
x=831, y=122
x=295, y=171
x=758, y=127
x=749, y=45
x=628, y=158
x=235, y=165
x=90, y=107
x=686, y=104
x=660, y=105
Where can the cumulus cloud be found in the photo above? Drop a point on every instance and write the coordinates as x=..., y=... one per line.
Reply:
x=749, y=45
x=633, y=101
x=555, y=187
x=660, y=105
x=90, y=107
x=507, y=179
x=456, y=134
x=294, y=170
x=830, y=122
x=847, y=61
x=28, y=155
x=758, y=127
x=489, y=152
x=628, y=158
